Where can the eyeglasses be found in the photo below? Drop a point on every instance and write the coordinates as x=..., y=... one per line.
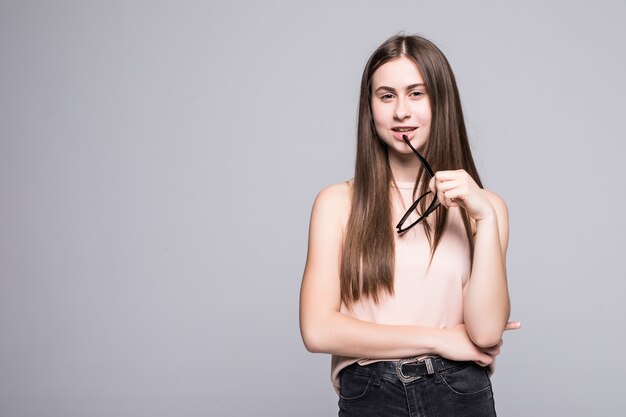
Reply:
x=431, y=207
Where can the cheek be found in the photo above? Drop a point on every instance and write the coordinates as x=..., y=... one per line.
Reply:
x=424, y=114
x=377, y=116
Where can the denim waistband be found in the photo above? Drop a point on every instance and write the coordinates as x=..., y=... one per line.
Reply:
x=408, y=370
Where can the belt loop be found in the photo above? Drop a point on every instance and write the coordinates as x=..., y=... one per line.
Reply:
x=429, y=366
x=439, y=364
x=379, y=370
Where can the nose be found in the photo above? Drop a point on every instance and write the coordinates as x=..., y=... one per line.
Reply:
x=403, y=110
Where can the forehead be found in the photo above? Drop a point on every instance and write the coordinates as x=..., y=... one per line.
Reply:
x=397, y=73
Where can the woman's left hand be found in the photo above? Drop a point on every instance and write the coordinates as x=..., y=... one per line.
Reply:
x=458, y=188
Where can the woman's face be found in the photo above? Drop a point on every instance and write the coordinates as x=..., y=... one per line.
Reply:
x=400, y=105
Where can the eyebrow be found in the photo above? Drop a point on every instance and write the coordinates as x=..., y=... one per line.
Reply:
x=410, y=87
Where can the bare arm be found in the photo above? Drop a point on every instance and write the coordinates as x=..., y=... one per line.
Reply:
x=325, y=329
x=486, y=305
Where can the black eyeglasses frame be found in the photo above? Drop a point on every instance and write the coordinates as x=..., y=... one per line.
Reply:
x=431, y=207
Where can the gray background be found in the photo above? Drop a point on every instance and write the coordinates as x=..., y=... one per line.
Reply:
x=158, y=162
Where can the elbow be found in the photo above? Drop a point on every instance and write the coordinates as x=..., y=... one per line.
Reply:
x=486, y=331
x=312, y=345
x=317, y=332
x=486, y=340
x=313, y=340
x=486, y=337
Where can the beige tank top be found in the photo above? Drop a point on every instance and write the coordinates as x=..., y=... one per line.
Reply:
x=422, y=296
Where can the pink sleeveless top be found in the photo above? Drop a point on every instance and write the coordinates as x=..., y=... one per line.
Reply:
x=423, y=296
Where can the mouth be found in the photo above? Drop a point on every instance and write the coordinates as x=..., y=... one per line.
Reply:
x=403, y=129
x=400, y=131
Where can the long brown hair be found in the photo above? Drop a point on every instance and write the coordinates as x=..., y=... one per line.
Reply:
x=368, y=256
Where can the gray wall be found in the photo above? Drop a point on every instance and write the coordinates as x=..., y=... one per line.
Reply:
x=158, y=162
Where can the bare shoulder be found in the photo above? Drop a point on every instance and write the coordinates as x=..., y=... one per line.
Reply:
x=340, y=191
x=329, y=218
x=334, y=201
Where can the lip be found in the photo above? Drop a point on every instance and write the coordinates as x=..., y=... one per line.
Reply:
x=398, y=135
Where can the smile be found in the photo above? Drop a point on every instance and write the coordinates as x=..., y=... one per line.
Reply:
x=399, y=131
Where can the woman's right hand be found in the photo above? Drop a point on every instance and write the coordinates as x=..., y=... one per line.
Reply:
x=457, y=345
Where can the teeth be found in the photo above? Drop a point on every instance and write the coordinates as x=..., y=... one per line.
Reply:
x=409, y=129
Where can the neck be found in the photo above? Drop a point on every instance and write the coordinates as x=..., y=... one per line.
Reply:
x=403, y=166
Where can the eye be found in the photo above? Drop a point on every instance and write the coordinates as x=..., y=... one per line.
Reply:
x=417, y=93
x=386, y=97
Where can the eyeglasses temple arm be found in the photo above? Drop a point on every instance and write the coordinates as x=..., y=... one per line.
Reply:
x=420, y=157
x=433, y=205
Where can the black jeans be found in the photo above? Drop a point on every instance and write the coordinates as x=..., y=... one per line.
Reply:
x=435, y=388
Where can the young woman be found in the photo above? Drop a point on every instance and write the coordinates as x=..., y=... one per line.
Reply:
x=405, y=279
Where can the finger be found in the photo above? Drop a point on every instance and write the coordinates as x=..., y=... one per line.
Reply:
x=431, y=185
x=434, y=185
x=442, y=198
x=484, y=359
x=445, y=190
x=492, y=350
x=446, y=200
x=513, y=325
x=453, y=196
x=446, y=186
x=447, y=175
